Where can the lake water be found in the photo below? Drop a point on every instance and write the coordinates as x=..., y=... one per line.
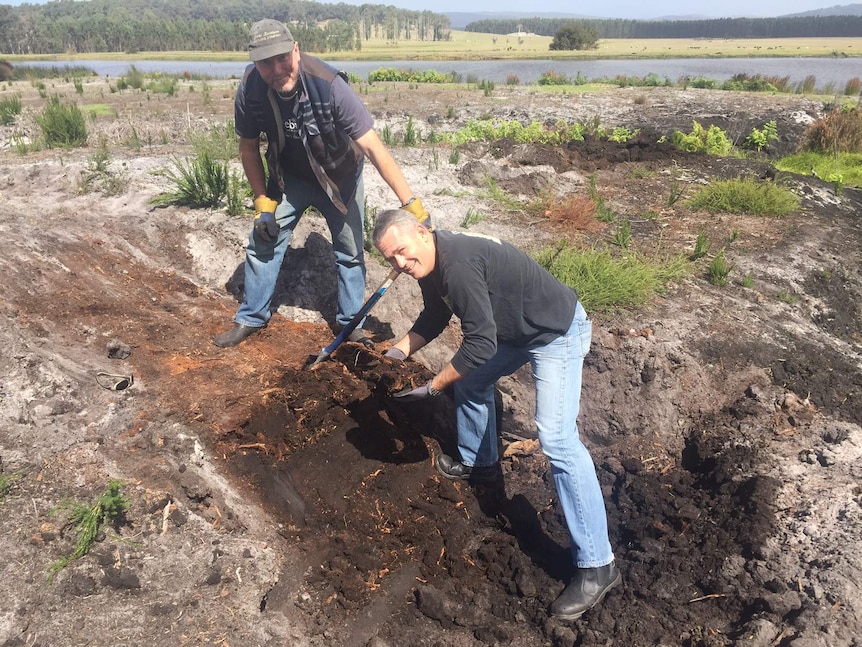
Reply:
x=835, y=71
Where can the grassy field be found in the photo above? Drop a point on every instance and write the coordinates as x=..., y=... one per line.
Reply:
x=473, y=46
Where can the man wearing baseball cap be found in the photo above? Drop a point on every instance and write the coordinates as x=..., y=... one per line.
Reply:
x=318, y=134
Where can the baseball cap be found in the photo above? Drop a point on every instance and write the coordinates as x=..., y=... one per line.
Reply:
x=269, y=38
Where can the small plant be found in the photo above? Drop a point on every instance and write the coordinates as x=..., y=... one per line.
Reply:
x=747, y=281
x=640, y=173
x=63, y=125
x=512, y=79
x=450, y=112
x=6, y=483
x=675, y=193
x=87, y=520
x=133, y=141
x=454, y=156
x=434, y=163
x=623, y=234
x=787, y=297
x=79, y=86
x=236, y=190
x=758, y=139
x=98, y=176
x=411, y=135
x=472, y=217
x=701, y=246
x=386, y=135
x=719, y=269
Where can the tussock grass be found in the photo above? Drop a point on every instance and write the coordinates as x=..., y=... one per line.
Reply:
x=10, y=108
x=745, y=195
x=63, y=125
x=199, y=182
x=604, y=281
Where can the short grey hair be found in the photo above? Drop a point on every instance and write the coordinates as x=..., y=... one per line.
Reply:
x=390, y=218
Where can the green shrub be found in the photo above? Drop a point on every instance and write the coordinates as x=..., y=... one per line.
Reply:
x=63, y=125
x=749, y=83
x=746, y=195
x=553, y=78
x=713, y=141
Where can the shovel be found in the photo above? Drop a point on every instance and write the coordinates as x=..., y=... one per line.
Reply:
x=350, y=327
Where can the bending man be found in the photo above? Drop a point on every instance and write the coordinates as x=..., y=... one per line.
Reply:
x=512, y=311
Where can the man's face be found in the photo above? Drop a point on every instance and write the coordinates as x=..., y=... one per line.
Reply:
x=282, y=71
x=409, y=250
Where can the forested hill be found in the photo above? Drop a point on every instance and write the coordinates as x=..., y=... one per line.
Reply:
x=202, y=25
x=825, y=26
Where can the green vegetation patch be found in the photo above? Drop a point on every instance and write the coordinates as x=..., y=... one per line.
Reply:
x=605, y=282
x=534, y=132
x=746, y=195
x=843, y=169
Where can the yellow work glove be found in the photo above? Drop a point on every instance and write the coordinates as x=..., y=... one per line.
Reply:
x=264, y=220
x=414, y=206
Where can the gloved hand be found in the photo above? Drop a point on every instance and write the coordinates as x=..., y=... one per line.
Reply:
x=264, y=223
x=419, y=393
x=396, y=353
x=414, y=205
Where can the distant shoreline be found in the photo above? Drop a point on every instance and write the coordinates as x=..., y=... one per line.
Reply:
x=468, y=46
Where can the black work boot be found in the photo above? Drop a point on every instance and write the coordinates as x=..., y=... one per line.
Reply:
x=235, y=335
x=586, y=590
x=454, y=470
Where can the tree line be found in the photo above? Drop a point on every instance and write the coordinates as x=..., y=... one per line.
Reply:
x=796, y=27
x=68, y=26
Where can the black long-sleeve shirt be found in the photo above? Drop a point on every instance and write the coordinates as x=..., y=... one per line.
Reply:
x=499, y=294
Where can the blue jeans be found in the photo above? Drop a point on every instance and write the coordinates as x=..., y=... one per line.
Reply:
x=557, y=371
x=263, y=259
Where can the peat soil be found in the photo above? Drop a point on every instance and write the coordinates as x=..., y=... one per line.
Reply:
x=275, y=505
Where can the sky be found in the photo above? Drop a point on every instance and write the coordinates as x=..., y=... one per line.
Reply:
x=635, y=9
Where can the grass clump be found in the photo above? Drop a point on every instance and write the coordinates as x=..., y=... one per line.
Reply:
x=719, y=269
x=605, y=282
x=63, y=125
x=10, y=108
x=199, y=182
x=746, y=195
x=87, y=520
